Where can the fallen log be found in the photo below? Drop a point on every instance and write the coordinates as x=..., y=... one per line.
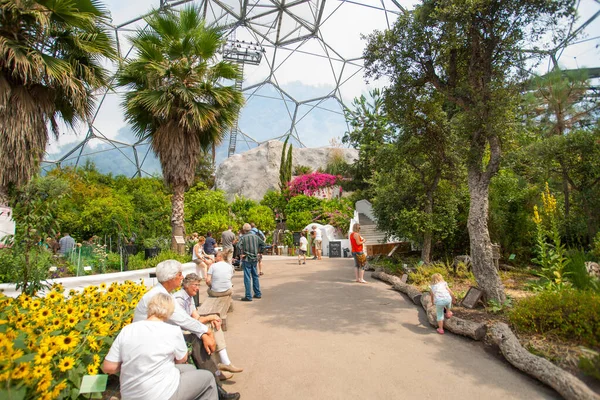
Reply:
x=398, y=285
x=560, y=380
x=459, y=326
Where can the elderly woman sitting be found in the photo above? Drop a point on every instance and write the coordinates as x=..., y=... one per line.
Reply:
x=146, y=353
x=184, y=297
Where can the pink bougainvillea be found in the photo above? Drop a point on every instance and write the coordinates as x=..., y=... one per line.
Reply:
x=310, y=183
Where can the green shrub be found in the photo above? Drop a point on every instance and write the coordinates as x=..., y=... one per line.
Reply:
x=591, y=366
x=296, y=221
x=422, y=274
x=576, y=272
x=570, y=314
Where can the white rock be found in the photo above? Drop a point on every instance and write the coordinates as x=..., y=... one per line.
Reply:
x=253, y=173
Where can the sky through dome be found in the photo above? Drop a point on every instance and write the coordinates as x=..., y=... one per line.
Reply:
x=311, y=66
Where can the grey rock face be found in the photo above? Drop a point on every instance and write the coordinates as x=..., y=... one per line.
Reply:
x=253, y=173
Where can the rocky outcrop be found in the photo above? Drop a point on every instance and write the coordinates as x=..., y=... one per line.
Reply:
x=253, y=173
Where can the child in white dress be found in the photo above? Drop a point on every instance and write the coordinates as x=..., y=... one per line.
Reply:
x=442, y=297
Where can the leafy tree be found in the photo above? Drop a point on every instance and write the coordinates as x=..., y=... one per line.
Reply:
x=35, y=217
x=285, y=166
x=200, y=200
x=302, y=203
x=176, y=99
x=262, y=216
x=297, y=220
x=370, y=129
x=50, y=66
x=471, y=53
x=277, y=202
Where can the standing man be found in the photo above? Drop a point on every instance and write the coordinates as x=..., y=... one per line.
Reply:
x=261, y=235
x=318, y=242
x=209, y=244
x=228, y=239
x=249, y=246
x=66, y=244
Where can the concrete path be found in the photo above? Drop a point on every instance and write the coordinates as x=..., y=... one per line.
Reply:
x=316, y=334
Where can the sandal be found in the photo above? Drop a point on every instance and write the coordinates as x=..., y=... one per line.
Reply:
x=261, y=273
x=440, y=331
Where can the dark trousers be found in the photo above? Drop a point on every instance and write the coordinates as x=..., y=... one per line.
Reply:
x=199, y=355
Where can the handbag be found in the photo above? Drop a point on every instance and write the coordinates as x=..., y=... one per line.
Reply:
x=361, y=259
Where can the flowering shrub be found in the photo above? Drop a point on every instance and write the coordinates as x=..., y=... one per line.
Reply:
x=551, y=252
x=48, y=344
x=310, y=183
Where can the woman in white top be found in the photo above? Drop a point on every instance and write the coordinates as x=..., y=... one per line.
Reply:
x=146, y=353
x=202, y=260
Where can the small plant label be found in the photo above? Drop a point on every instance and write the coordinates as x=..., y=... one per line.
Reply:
x=472, y=297
x=93, y=383
x=512, y=257
x=420, y=263
x=52, y=269
x=179, y=240
x=87, y=268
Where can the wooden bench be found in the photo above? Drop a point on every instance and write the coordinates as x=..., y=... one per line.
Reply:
x=217, y=305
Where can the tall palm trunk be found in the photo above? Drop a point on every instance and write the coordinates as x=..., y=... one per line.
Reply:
x=177, y=214
x=481, y=245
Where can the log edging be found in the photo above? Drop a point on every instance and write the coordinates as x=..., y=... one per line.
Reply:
x=500, y=334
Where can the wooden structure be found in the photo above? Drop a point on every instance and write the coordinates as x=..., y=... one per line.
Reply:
x=386, y=248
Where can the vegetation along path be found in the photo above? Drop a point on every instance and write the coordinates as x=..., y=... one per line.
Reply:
x=316, y=334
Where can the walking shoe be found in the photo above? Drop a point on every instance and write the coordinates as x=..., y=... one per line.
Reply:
x=440, y=331
x=245, y=299
x=304, y=262
x=257, y=297
x=229, y=368
x=223, y=395
x=224, y=375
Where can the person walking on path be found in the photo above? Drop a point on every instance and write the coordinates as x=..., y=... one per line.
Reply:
x=228, y=239
x=318, y=242
x=303, y=247
x=356, y=244
x=151, y=357
x=442, y=297
x=249, y=247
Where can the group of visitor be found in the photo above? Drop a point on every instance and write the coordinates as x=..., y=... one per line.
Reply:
x=151, y=353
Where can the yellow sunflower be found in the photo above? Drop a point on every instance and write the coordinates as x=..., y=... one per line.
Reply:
x=58, y=388
x=102, y=286
x=39, y=371
x=68, y=342
x=43, y=356
x=96, y=359
x=92, y=369
x=44, y=312
x=66, y=363
x=35, y=304
x=21, y=371
x=44, y=383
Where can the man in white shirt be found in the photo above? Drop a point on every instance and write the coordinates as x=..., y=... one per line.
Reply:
x=219, y=277
x=184, y=298
x=318, y=242
x=169, y=275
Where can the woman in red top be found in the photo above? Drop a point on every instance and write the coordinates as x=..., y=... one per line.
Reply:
x=356, y=243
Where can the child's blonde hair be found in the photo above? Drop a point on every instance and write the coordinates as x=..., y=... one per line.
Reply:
x=436, y=278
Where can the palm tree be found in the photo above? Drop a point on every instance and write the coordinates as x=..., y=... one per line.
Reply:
x=50, y=53
x=175, y=99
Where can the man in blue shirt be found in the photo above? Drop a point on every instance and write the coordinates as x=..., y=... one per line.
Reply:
x=209, y=245
x=260, y=234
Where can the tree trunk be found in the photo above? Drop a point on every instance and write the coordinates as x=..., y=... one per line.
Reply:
x=177, y=225
x=428, y=234
x=484, y=270
x=3, y=196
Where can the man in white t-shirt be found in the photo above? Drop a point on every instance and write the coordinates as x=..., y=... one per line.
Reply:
x=169, y=275
x=219, y=277
x=318, y=242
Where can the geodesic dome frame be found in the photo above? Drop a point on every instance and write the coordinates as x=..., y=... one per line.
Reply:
x=271, y=40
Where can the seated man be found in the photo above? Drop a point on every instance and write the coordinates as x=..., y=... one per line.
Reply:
x=151, y=356
x=219, y=277
x=169, y=275
x=184, y=298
